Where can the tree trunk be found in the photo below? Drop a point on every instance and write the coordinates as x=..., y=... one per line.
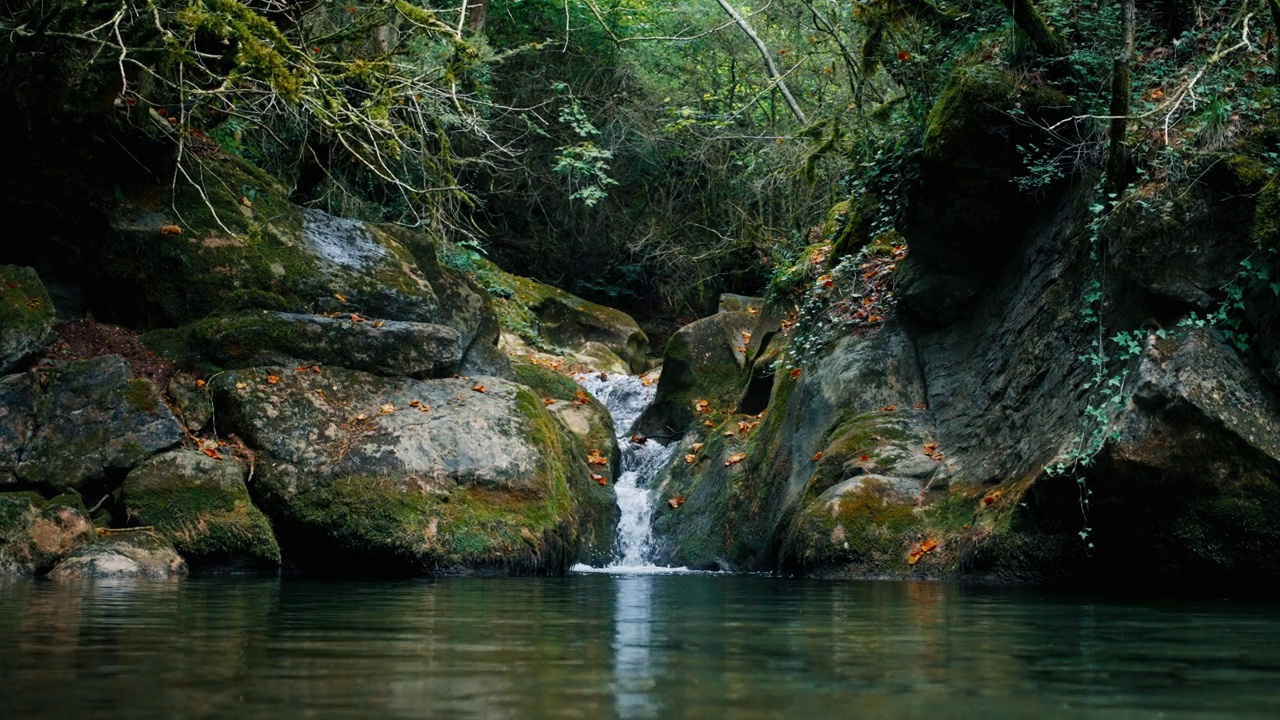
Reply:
x=774, y=75
x=1121, y=90
x=1031, y=23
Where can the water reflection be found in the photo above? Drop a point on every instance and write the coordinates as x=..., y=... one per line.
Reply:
x=627, y=647
x=634, y=681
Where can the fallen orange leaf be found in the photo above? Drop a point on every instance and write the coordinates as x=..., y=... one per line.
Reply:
x=170, y=230
x=273, y=379
x=697, y=447
x=735, y=458
x=199, y=383
x=817, y=456
x=986, y=501
x=928, y=545
x=548, y=401
x=690, y=459
x=580, y=397
x=709, y=424
x=888, y=408
x=638, y=439
x=479, y=389
x=795, y=373
x=212, y=453
x=599, y=478
x=595, y=458
x=675, y=502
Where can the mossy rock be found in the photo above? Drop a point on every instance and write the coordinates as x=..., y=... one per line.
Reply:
x=390, y=347
x=35, y=534
x=870, y=526
x=94, y=417
x=200, y=504
x=705, y=361
x=122, y=555
x=395, y=476
x=551, y=319
x=26, y=316
x=243, y=245
x=579, y=412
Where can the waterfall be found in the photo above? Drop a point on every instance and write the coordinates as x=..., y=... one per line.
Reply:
x=626, y=397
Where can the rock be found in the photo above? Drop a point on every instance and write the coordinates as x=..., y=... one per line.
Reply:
x=94, y=417
x=35, y=534
x=553, y=320
x=705, y=360
x=733, y=512
x=359, y=476
x=265, y=253
x=391, y=347
x=200, y=505
x=861, y=527
x=122, y=555
x=193, y=400
x=739, y=303
x=967, y=217
x=26, y=316
x=18, y=394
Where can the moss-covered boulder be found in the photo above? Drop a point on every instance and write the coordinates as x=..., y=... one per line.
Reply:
x=363, y=474
x=35, y=533
x=26, y=316
x=92, y=418
x=201, y=506
x=243, y=246
x=18, y=395
x=704, y=362
x=541, y=318
x=121, y=555
x=390, y=347
x=578, y=411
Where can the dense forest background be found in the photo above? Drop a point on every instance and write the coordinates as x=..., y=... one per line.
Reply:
x=647, y=155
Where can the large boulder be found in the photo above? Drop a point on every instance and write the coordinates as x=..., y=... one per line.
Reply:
x=390, y=347
x=92, y=418
x=541, y=318
x=35, y=534
x=26, y=316
x=706, y=361
x=243, y=246
x=373, y=475
x=122, y=555
x=200, y=504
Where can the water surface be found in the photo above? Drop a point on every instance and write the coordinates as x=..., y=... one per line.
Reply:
x=635, y=646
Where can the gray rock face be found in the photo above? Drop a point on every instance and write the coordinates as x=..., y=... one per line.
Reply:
x=35, y=534
x=347, y=423
x=18, y=395
x=91, y=417
x=200, y=504
x=366, y=474
x=123, y=555
x=26, y=316
x=194, y=403
x=390, y=347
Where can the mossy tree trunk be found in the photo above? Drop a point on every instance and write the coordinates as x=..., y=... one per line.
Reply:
x=1032, y=23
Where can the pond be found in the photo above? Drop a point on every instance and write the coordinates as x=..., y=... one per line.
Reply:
x=625, y=646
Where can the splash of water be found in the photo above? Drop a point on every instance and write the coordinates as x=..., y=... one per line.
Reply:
x=626, y=397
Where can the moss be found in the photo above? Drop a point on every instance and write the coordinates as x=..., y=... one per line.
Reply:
x=207, y=524
x=141, y=395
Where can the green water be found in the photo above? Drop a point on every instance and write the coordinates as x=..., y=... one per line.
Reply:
x=625, y=647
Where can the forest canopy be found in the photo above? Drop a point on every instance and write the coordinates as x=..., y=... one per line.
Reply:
x=671, y=151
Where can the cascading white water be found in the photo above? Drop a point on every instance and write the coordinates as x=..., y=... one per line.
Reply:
x=626, y=397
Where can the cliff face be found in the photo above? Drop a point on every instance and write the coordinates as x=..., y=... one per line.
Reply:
x=1046, y=402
